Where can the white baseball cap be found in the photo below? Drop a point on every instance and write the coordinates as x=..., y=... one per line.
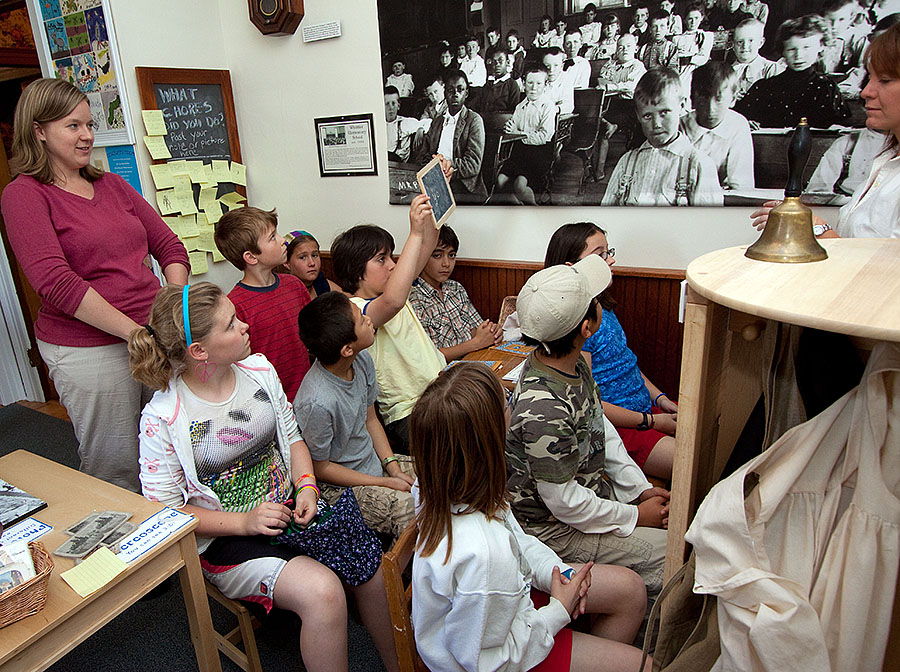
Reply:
x=555, y=300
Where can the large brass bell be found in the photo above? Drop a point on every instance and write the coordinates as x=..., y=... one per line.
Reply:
x=788, y=237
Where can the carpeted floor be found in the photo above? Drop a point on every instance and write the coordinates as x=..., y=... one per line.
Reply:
x=153, y=634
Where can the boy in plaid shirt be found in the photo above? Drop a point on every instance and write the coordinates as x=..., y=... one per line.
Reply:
x=444, y=308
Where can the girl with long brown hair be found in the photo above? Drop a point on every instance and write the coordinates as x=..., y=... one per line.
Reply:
x=474, y=607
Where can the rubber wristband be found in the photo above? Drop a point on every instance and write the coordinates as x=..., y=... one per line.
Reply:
x=569, y=573
x=307, y=485
x=656, y=401
x=390, y=458
x=312, y=476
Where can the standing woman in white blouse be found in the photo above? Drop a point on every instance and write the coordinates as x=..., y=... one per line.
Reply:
x=874, y=208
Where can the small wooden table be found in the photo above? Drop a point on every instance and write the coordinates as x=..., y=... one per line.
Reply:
x=67, y=619
x=508, y=361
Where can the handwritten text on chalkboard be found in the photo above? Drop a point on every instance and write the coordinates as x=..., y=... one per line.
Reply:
x=195, y=119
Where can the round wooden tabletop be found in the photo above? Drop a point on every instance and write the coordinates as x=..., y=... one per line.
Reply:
x=855, y=291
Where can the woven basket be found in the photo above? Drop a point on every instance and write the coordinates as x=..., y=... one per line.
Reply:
x=29, y=598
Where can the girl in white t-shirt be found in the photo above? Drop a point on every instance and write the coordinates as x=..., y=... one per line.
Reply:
x=487, y=596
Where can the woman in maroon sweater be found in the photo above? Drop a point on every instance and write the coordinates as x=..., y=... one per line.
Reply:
x=83, y=238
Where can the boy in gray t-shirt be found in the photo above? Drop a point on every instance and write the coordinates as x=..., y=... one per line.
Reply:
x=336, y=414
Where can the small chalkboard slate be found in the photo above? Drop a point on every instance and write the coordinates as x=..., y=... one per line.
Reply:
x=433, y=183
x=198, y=107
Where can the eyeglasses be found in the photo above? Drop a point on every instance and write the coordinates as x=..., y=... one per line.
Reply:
x=606, y=254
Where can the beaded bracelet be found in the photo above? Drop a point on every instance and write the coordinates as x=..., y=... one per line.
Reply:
x=656, y=401
x=390, y=458
x=307, y=485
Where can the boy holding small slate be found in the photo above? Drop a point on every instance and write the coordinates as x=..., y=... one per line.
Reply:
x=406, y=360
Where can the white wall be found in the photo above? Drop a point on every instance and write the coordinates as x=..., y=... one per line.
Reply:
x=281, y=84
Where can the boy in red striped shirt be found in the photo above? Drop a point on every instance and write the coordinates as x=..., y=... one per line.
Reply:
x=269, y=302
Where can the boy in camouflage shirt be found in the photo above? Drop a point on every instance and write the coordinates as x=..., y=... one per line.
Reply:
x=572, y=483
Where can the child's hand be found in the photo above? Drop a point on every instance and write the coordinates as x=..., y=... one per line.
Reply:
x=394, y=470
x=665, y=423
x=305, y=507
x=446, y=166
x=571, y=593
x=497, y=330
x=483, y=336
x=654, y=492
x=420, y=214
x=396, y=483
x=666, y=404
x=509, y=126
x=268, y=518
x=653, y=512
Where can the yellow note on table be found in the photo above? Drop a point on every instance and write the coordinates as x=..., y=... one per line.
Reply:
x=154, y=122
x=156, y=145
x=185, y=204
x=198, y=262
x=218, y=256
x=162, y=175
x=189, y=226
x=191, y=244
x=182, y=184
x=166, y=202
x=98, y=569
x=220, y=171
x=239, y=173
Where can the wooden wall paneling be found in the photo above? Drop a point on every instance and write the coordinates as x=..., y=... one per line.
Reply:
x=647, y=307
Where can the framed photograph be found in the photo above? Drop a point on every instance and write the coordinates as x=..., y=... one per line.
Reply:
x=434, y=184
x=346, y=145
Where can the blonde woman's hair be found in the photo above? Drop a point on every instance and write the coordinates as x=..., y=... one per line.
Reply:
x=42, y=101
x=158, y=353
x=457, y=435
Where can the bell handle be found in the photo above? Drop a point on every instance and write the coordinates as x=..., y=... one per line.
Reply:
x=798, y=155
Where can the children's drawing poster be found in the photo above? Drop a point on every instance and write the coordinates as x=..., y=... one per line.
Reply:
x=80, y=48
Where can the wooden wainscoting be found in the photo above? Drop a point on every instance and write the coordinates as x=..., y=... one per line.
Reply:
x=647, y=307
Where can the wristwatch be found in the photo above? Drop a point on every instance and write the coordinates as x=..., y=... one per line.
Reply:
x=644, y=424
x=819, y=229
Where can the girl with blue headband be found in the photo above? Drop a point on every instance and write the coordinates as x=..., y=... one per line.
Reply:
x=218, y=440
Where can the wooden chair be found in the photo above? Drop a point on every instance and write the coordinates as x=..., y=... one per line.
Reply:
x=591, y=105
x=561, y=138
x=507, y=308
x=393, y=564
x=243, y=634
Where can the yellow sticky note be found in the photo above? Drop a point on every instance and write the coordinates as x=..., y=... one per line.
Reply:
x=195, y=170
x=186, y=205
x=162, y=175
x=166, y=202
x=213, y=213
x=239, y=173
x=231, y=200
x=179, y=167
x=208, y=174
x=206, y=241
x=198, y=262
x=189, y=225
x=220, y=171
x=174, y=224
x=207, y=198
x=98, y=569
x=218, y=256
x=156, y=145
x=154, y=122
x=182, y=184
x=191, y=244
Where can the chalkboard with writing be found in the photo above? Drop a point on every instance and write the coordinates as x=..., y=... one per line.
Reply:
x=198, y=107
x=195, y=119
